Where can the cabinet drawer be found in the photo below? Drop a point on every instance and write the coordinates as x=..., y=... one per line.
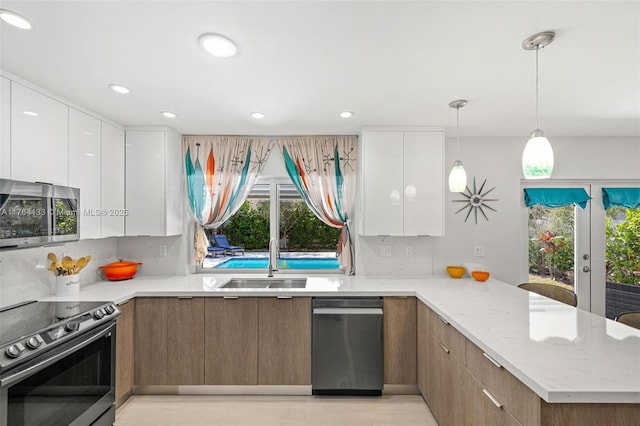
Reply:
x=517, y=398
x=450, y=338
x=483, y=408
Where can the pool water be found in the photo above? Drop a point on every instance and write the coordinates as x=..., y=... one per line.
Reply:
x=318, y=263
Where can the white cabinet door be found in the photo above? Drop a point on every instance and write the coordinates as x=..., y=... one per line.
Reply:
x=39, y=137
x=382, y=201
x=145, y=190
x=84, y=169
x=403, y=182
x=112, y=181
x=423, y=183
x=5, y=128
x=174, y=178
x=153, y=182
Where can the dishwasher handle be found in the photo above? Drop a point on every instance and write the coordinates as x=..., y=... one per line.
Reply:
x=347, y=311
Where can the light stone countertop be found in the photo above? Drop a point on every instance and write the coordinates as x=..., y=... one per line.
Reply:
x=564, y=354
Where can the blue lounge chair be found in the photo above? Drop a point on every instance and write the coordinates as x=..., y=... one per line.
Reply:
x=215, y=251
x=222, y=242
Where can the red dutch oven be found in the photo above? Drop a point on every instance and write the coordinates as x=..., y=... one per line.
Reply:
x=121, y=270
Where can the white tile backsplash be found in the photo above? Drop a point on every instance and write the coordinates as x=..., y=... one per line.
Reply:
x=24, y=275
x=159, y=255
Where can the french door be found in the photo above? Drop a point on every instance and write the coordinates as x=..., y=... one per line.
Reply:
x=591, y=251
x=559, y=245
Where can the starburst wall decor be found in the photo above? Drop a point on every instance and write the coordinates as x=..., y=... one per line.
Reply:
x=475, y=201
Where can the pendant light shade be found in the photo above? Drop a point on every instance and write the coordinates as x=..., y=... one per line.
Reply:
x=458, y=176
x=537, y=158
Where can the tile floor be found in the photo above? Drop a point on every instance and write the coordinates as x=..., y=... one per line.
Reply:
x=192, y=410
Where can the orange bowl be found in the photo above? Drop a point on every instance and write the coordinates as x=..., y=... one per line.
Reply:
x=121, y=270
x=481, y=276
x=455, y=271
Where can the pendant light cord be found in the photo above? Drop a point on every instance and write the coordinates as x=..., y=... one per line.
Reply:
x=458, y=133
x=537, y=50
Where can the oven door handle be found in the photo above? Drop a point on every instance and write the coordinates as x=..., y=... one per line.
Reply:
x=55, y=358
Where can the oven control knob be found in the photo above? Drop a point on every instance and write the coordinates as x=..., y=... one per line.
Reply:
x=14, y=351
x=109, y=309
x=98, y=314
x=33, y=342
x=72, y=326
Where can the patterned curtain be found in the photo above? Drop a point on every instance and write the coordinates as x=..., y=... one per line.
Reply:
x=220, y=172
x=323, y=170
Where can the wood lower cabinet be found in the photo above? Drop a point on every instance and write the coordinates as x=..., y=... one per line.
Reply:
x=446, y=385
x=185, y=341
x=169, y=352
x=231, y=341
x=422, y=348
x=400, y=340
x=151, y=341
x=125, y=326
x=284, y=341
x=482, y=408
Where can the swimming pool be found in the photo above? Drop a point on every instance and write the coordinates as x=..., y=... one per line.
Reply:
x=288, y=263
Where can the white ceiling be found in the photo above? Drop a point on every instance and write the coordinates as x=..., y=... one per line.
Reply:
x=302, y=62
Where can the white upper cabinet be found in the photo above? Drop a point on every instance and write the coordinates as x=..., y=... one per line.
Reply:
x=402, y=182
x=153, y=177
x=39, y=137
x=84, y=169
x=5, y=128
x=112, y=181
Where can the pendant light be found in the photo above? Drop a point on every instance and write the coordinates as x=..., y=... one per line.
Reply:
x=537, y=158
x=457, y=177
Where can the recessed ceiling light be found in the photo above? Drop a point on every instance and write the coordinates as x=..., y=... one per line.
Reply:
x=257, y=114
x=217, y=45
x=14, y=19
x=30, y=113
x=119, y=89
x=169, y=114
x=346, y=114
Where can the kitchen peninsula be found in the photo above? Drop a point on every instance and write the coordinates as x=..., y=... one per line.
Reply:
x=568, y=366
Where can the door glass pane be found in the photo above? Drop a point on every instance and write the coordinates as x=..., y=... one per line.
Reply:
x=552, y=245
x=622, y=260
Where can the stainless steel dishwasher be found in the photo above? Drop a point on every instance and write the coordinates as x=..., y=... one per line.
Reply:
x=347, y=353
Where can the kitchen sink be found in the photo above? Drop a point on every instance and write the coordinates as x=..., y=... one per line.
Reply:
x=266, y=283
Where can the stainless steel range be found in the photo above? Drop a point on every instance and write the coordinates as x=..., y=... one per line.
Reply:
x=57, y=363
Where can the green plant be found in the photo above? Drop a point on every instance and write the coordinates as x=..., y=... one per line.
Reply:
x=623, y=249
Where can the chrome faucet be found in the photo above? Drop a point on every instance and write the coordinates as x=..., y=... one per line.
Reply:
x=273, y=257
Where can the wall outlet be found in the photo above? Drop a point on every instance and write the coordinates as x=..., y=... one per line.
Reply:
x=478, y=251
x=408, y=251
x=163, y=251
x=385, y=251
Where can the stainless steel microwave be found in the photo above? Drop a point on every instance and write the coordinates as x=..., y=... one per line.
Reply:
x=36, y=214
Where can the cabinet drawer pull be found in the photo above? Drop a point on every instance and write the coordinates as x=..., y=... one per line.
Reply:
x=185, y=297
x=229, y=297
x=492, y=361
x=284, y=297
x=444, y=348
x=443, y=320
x=492, y=398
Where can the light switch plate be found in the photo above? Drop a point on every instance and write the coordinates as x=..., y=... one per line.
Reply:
x=385, y=251
x=478, y=251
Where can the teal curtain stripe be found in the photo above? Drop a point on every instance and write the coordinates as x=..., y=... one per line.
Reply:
x=198, y=193
x=624, y=197
x=556, y=197
x=243, y=179
x=339, y=186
